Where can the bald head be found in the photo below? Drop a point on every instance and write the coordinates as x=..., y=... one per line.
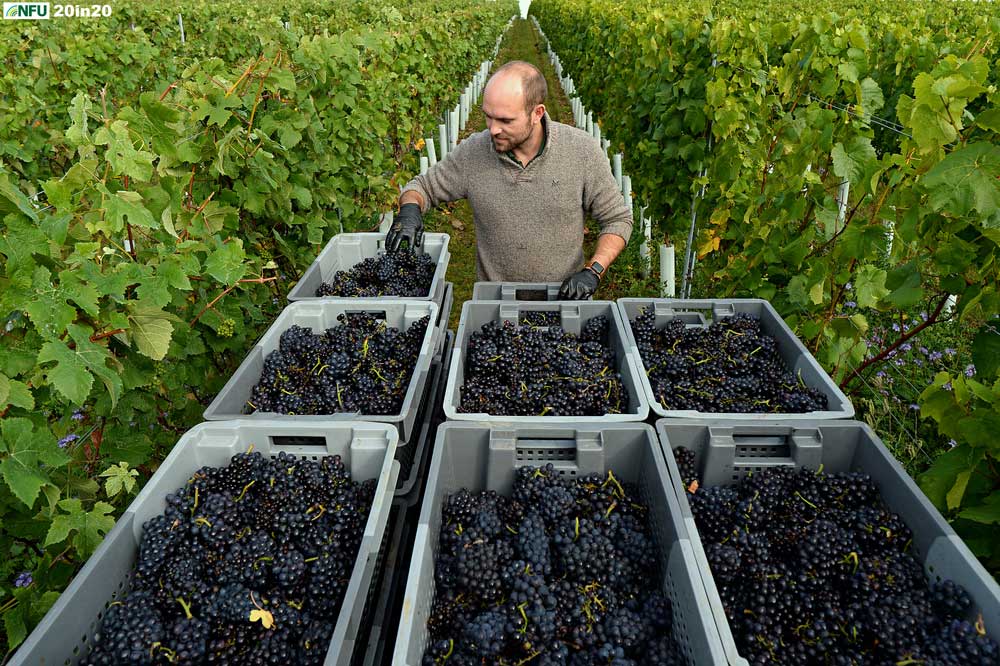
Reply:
x=518, y=82
x=514, y=106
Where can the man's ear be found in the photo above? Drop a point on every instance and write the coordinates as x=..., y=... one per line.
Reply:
x=537, y=113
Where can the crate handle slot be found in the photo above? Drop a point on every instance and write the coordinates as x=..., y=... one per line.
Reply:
x=510, y=312
x=378, y=314
x=753, y=447
x=298, y=442
x=539, y=293
x=690, y=316
x=762, y=446
x=569, y=450
x=722, y=310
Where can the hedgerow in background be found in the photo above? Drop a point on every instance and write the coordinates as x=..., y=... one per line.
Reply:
x=778, y=104
x=162, y=234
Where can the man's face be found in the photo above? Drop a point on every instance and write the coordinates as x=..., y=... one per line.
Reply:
x=510, y=125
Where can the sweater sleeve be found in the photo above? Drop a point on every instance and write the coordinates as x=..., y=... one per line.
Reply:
x=446, y=180
x=602, y=197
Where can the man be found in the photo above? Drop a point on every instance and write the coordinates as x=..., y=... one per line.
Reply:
x=530, y=181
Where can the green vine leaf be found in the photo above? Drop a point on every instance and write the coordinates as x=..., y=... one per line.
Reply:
x=225, y=264
x=904, y=287
x=967, y=179
x=853, y=161
x=69, y=376
x=151, y=330
x=119, y=477
x=122, y=154
x=988, y=512
x=23, y=449
x=77, y=133
x=89, y=526
x=986, y=349
x=20, y=395
x=14, y=627
x=10, y=194
x=19, y=241
x=129, y=204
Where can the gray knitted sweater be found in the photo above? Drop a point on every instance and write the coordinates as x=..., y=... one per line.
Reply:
x=529, y=220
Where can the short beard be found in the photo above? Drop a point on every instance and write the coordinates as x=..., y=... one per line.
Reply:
x=515, y=146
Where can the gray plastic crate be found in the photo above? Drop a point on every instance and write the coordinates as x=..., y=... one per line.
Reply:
x=573, y=316
x=727, y=451
x=444, y=314
x=320, y=315
x=516, y=291
x=478, y=457
x=693, y=312
x=387, y=590
x=411, y=457
x=63, y=635
x=345, y=250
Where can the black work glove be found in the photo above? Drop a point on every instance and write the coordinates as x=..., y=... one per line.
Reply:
x=408, y=225
x=579, y=286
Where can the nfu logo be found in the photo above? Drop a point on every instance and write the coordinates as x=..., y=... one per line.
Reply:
x=25, y=10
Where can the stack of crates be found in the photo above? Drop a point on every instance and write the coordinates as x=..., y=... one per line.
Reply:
x=65, y=634
x=347, y=250
x=320, y=312
x=729, y=447
x=482, y=452
x=392, y=449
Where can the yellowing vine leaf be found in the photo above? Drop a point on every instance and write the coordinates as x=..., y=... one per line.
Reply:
x=263, y=616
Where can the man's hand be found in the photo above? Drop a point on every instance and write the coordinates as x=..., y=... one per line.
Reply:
x=579, y=286
x=408, y=225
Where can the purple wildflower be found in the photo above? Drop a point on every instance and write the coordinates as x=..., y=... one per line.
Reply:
x=850, y=304
x=849, y=286
x=23, y=579
x=923, y=315
x=77, y=415
x=914, y=406
x=923, y=350
x=936, y=356
x=900, y=362
x=906, y=346
x=895, y=327
x=918, y=362
x=949, y=351
x=946, y=386
x=952, y=443
x=72, y=437
x=970, y=370
x=880, y=374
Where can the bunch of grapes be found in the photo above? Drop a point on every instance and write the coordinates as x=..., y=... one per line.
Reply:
x=361, y=365
x=562, y=572
x=401, y=273
x=536, y=368
x=248, y=564
x=815, y=569
x=730, y=366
